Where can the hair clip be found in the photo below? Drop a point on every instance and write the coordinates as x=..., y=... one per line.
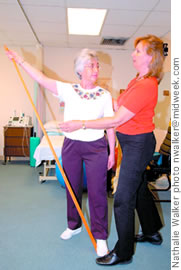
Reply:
x=165, y=49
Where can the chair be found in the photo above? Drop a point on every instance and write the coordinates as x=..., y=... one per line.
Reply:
x=160, y=165
x=153, y=171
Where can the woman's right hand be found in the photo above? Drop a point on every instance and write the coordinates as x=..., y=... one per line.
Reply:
x=70, y=126
x=14, y=56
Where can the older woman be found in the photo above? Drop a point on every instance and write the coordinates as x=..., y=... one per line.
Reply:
x=134, y=125
x=83, y=101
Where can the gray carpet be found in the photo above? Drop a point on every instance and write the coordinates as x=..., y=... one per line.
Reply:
x=32, y=216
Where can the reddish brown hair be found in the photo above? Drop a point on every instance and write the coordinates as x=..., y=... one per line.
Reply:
x=154, y=47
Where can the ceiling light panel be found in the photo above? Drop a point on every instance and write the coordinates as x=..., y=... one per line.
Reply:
x=83, y=21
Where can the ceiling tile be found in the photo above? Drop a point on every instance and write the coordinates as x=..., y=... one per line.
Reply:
x=11, y=12
x=125, y=17
x=47, y=27
x=145, y=30
x=84, y=39
x=43, y=2
x=118, y=30
x=114, y=4
x=52, y=37
x=15, y=26
x=157, y=18
x=7, y=2
x=164, y=5
x=44, y=13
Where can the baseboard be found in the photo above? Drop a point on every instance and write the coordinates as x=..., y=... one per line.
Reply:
x=15, y=158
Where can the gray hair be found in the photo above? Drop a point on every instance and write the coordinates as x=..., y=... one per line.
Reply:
x=81, y=59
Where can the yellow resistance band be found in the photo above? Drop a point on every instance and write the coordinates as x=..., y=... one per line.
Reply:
x=56, y=158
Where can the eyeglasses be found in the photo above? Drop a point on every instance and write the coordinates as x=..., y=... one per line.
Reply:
x=92, y=66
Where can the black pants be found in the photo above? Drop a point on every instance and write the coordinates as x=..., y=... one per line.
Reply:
x=132, y=192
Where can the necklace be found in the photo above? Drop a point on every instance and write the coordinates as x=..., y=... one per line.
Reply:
x=87, y=95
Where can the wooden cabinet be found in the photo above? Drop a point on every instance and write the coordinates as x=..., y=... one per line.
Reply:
x=17, y=141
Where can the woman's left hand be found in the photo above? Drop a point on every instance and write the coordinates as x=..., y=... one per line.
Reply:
x=111, y=161
x=70, y=126
x=115, y=105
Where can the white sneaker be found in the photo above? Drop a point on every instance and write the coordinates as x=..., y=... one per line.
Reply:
x=102, y=248
x=68, y=233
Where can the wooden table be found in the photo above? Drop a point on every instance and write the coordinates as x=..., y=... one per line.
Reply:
x=17, y=141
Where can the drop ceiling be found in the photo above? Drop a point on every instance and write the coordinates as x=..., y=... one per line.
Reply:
x=44, y=22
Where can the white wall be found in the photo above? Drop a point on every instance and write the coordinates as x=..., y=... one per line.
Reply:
x=12, y=94
x=115, y=73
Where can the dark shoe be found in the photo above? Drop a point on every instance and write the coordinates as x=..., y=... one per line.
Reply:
x=111, y=259
x=155, y=239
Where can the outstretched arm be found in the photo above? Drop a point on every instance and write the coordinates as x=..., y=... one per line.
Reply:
x=119, y=118
x=34, y=73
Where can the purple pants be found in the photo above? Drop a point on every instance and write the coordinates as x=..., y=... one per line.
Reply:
x=95, y=156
